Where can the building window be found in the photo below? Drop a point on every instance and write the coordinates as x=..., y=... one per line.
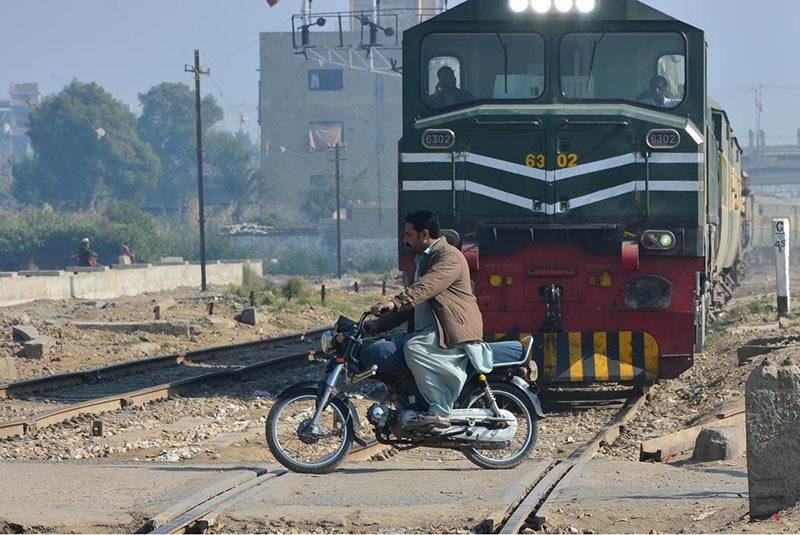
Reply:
x=323, y=135
x=325, y=80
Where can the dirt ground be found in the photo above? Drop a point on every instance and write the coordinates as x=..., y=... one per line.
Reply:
x=82, y=349
x=715, y=379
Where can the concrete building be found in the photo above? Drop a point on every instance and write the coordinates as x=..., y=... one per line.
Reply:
x=314, y=96
x=14, y=114
x=774, y=169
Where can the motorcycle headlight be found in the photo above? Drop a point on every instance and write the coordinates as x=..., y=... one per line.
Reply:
x=328, y=342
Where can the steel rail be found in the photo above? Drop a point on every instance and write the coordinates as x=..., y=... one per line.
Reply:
x=28, y=425
x=526, y=504
x=199, y=511
x=54, y=381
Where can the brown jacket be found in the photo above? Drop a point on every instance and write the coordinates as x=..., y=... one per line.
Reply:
x=444, y=281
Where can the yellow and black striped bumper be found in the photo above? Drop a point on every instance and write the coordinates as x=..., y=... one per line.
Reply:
x=575, y=357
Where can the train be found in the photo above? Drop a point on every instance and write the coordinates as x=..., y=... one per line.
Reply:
x=573, y=152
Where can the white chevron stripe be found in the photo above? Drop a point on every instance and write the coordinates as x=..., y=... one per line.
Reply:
x=502, y=165
x=508, y=198
x=671, y=185
x=593, y=167
x=577, y=202
x=602, y=195
x=672, y=157
x=559, y=174
x=426, y=157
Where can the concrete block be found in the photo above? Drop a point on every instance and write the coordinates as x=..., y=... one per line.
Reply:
x=39, y=347
x=720, y=443
x=171, y=261
x=772, y=398
x=156, y=327
x=216, y=321
x=23, y=333
x=86, y=269
x=43, y=273
x=8, y=370
x=130, y=266
x=248, y=316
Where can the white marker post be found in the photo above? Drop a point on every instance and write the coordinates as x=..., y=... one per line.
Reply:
x=780, y=229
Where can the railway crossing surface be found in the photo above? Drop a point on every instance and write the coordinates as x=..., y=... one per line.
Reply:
x=408, y=492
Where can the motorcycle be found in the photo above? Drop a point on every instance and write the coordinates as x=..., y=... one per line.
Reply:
x=494, y=421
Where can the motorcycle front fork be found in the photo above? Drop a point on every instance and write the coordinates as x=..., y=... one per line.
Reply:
x=322, y=400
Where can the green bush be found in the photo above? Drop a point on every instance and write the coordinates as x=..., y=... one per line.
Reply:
x=295, y=287
x=50, y=239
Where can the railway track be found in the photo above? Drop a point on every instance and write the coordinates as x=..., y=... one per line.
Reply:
x=526, y=503
x=36, y=403
x=198, y=512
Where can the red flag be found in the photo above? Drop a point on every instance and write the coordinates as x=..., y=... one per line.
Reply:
x=272, y=2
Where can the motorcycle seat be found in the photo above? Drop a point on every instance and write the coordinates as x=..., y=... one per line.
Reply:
x=511, y=353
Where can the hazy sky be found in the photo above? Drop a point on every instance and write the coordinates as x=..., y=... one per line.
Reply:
x=129, y=46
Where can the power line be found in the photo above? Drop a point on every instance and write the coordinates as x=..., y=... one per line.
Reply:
x=251, y=45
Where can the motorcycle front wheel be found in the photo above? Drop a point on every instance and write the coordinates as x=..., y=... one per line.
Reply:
x=302, y=448
x=512, y=399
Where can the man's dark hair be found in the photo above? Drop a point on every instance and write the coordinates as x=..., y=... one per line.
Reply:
x=424, y=220
x=658, y=78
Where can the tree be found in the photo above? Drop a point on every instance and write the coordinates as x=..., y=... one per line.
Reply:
x=168, y=124
x=320, y=198
x=85, y=146
x=230, y=161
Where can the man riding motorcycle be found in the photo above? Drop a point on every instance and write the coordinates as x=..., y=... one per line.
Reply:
x=445, y=325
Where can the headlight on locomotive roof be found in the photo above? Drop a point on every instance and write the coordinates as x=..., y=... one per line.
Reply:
x=658, y=240
x=563, y=5
x=541, y=6
x=327, y=342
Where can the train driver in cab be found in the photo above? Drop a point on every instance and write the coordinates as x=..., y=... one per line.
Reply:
x=447, y=93
x=657, y=94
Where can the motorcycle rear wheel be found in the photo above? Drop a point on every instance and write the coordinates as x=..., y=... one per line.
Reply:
x=512, y=399
x=294, y=445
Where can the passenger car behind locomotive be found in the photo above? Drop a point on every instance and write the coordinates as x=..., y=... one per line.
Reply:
x=591, y=216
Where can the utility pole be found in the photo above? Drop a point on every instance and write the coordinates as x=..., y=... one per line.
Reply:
x=197, y=72
x=337, y=148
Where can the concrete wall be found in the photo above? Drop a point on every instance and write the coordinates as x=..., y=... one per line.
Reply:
x=119, y=280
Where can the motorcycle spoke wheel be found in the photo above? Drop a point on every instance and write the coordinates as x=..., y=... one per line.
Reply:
x=302, y=449
x=514, y=401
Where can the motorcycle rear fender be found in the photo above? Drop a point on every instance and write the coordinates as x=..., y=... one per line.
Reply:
x=525, y=387
x=315, y=386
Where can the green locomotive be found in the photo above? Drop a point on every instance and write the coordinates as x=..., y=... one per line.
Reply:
x=571, y=146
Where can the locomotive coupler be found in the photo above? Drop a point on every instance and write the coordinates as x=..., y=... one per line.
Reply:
x=552, y=307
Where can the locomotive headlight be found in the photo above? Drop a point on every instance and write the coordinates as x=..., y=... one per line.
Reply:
x=585, y=6
x=518, y=6
x=563, y=5
x=541, y=6
x=666, y=241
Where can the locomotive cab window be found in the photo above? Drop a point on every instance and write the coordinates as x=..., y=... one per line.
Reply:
x=648, y=69
x=461, y=69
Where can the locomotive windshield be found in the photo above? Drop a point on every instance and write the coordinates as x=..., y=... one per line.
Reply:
x=460, y=68
x=645, y=68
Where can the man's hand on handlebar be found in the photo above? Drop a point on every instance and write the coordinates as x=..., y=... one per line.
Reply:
x=380, y=309
x=370, y=328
